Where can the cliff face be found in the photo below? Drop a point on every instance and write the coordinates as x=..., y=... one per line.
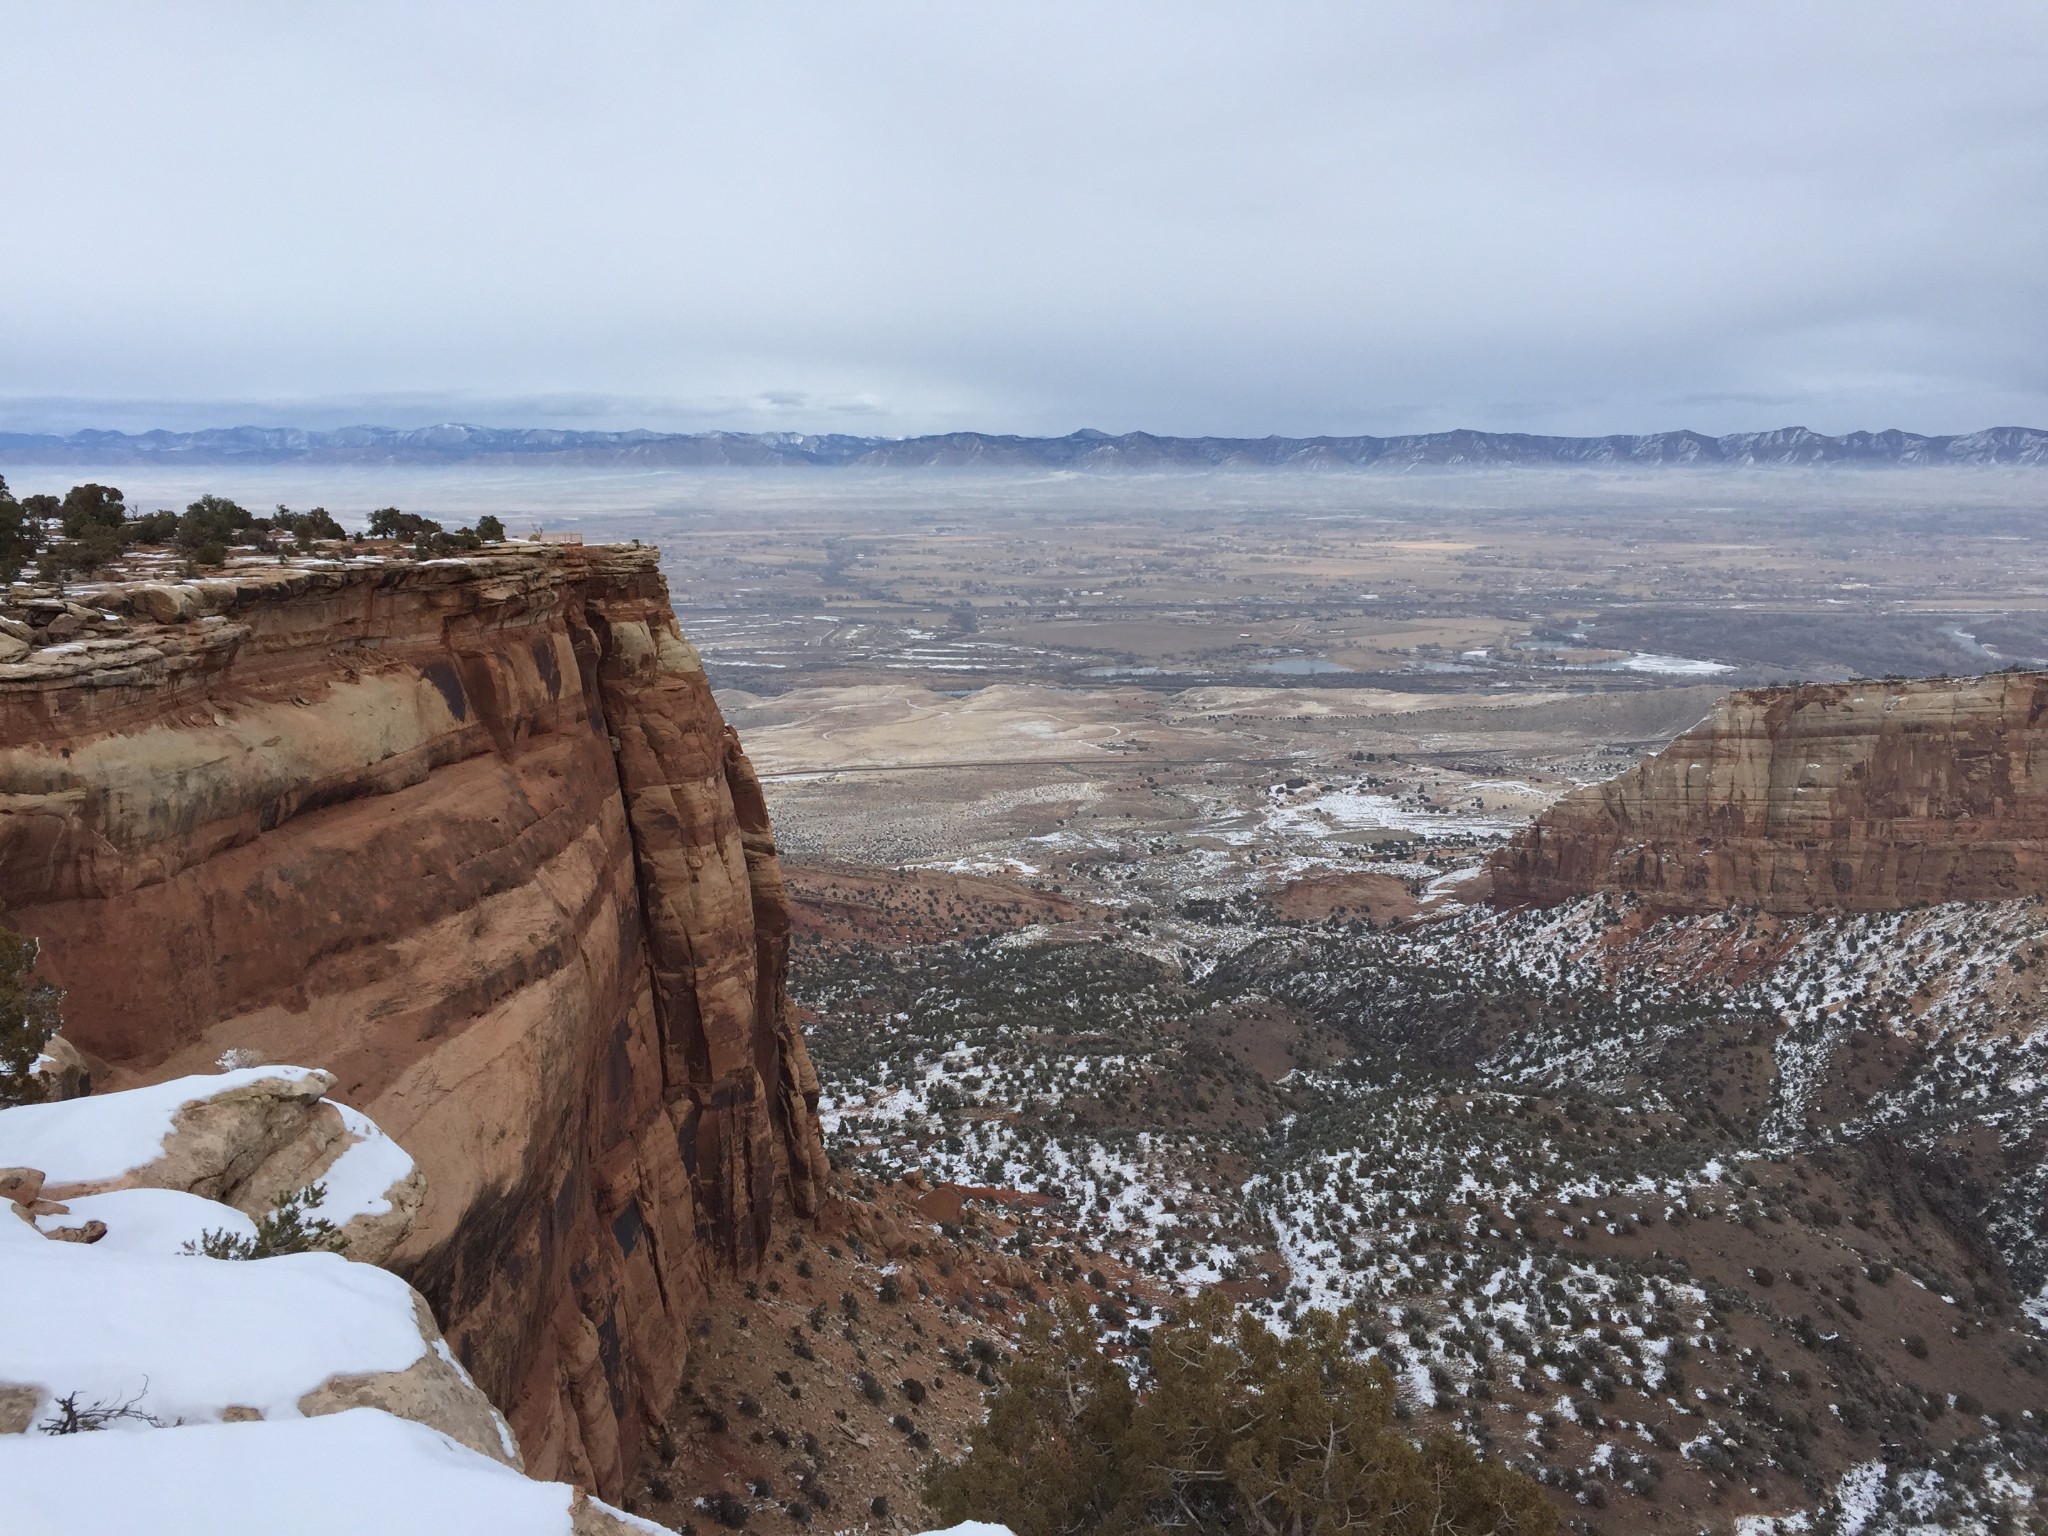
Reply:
x=472, y=836
x=1855, y=796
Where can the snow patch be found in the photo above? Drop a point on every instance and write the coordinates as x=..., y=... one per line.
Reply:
x=1671, y=666
x=82, y=1141
x=340, y=1475
x=358, y=1181
x=150, y=1223
x=191, y=1337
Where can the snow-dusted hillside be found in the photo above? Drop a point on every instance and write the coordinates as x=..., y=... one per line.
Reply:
x=1663, y=1211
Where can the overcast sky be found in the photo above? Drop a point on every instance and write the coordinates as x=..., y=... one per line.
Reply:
x=1031, y=216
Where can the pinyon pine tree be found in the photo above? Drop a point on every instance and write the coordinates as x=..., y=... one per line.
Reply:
x=1237, y=1430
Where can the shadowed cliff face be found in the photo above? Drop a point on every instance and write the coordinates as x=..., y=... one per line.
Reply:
x=472, y=836
x=1855, y=796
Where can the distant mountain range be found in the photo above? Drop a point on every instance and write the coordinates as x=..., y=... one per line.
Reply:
x=1086, y=450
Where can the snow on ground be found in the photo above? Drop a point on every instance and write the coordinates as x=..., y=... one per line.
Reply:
x=358, y=1181
x=84, y=1141
x=342, y=1475
x=1332, y=810
x=1977, y=1485
x=150, y=1223
x=188, y=1337
x=1772, y=1525
x=1670, y=666
x=1386, y=1184
x=1857, y=1493
x=980, y=865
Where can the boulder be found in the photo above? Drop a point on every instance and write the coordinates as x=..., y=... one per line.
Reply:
x=24, y=1186
x=433, y=1390
x=66, y=1071
x=166, y=604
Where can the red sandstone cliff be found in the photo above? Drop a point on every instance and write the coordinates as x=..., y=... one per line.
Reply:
x=1856, y=796
x=472, y=836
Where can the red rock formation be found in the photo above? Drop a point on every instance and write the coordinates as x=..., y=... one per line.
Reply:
x=472, y=836
x=1857, y=796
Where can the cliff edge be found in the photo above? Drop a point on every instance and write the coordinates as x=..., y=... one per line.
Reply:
x=1864, y=796
x=471, y=836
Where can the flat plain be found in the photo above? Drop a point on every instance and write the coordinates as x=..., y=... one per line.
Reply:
x=1022, y=672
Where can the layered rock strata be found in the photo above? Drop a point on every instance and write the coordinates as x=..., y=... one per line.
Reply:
x=1852, y=796
x=471, y=836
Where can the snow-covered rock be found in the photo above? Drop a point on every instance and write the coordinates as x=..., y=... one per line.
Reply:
x=342, y=1475
x=299, y=1392
x=373, y=1188
x=184, y=1339
x=206, y=1133
x=126, y=1315
x=243, y=1138
x=65, y=1070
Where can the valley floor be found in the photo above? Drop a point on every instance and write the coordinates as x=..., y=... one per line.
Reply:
x=1704, y=1222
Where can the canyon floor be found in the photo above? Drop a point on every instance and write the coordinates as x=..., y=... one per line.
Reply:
x=1155, y=939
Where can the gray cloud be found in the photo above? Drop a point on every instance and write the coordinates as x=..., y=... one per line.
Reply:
x=1587, y=215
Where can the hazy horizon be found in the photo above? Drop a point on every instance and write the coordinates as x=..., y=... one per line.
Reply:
x=629, y=501
x=313, y=426
x=907, y=217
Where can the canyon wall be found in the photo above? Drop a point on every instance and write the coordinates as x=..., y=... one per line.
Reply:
x=1852, y=796
x=471, y=835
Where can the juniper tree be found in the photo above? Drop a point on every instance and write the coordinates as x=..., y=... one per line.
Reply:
x=209, y=525
x=1237, y=1430
x=28, y=1017
x=89, y=506
x=287, y=1227
x=390, y=523
x=305, y=527
x=21, y=534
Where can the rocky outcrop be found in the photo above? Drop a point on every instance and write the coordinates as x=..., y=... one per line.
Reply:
x=1854, y=796
x=266, y=1378
x=470, y=836
x=242, y=1140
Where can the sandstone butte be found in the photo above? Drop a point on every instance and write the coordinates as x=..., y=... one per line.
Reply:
x=472, y=836
x=1846, y=796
